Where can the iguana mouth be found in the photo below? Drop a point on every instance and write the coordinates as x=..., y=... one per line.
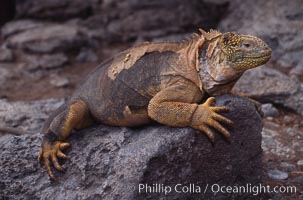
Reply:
x=259, y=56
x=252, y=61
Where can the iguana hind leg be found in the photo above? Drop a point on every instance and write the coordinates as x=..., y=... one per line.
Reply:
x=74, y=116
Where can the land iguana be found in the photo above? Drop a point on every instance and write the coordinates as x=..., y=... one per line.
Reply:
x=163, y=82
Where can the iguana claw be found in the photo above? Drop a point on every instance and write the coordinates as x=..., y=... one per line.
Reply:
x=50, y=152
x=206, y=116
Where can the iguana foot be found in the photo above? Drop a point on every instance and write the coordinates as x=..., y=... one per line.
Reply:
x=206, y=116
x=50, y=151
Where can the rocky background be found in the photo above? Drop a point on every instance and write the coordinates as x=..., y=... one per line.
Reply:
x=48, y=46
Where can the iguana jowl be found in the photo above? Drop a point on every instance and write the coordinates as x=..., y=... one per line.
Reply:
x=161, y=82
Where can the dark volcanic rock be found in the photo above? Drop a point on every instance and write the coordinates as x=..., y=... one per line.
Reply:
x=282, y=142
x=6, y=55
x=28, y=116
x=269, y=110
x=86, y=55
x=126, y=19
x=7, y=11
x=53, y=9
x=48, y=61
x=18, y=26
x=118, y=21
x=110, y=162
x=48, y=38
x=59, y=81
x=5, y=74
x=269, y=85
x=295, y=102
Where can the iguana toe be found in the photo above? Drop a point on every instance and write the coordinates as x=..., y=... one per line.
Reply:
x=210, y=134
x=219, y=127
x=220, y=118
x=206, y=117
x=50, y=152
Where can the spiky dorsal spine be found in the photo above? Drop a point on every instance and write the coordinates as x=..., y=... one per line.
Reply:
x=212, y=34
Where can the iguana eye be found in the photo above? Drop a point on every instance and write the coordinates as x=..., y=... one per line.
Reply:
x=246, y=45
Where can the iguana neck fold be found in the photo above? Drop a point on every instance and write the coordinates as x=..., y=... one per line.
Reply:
x=217, y=77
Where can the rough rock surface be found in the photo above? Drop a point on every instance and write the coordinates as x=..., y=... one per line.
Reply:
x=18, y=26
x=282, y=150
x=47, y=61
x=269, y=110
x=6, y=55
x=54, y=9
x=4, y=74
x=59, y=81
x=125, y=20
x=48, y=38
x=110, y=162
x=28, y=116
x=151, y=19
x=269, y=85
x=7, y=11
x=282, y=142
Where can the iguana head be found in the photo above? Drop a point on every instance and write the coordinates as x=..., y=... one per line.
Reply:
x=225, y=56
x=243, y=51
x=240, y=52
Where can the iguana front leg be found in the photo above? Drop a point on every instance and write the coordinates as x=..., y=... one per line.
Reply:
x=58, y=127
x=175, y=106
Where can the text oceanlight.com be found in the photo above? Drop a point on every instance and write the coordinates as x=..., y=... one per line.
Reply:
x=214, y=188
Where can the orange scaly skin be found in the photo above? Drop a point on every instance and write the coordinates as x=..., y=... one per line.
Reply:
x=161, y=82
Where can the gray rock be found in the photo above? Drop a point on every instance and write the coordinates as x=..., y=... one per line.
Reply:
x=54, y=9
x=87, y=55
x=48, y=39
x=130, y=20
x=48, y=61
x=18, y=26
x=58, y=81
x=298, y=70
x=295, y=101
x=5, y=74
x=6, y=55
x=277, y=174
x=287, y=166
x=28, y=116
x=269, y=110
x=298, y=180
x=269, y=85
x=110, y=162
x=284, y=143
x=300, y=163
